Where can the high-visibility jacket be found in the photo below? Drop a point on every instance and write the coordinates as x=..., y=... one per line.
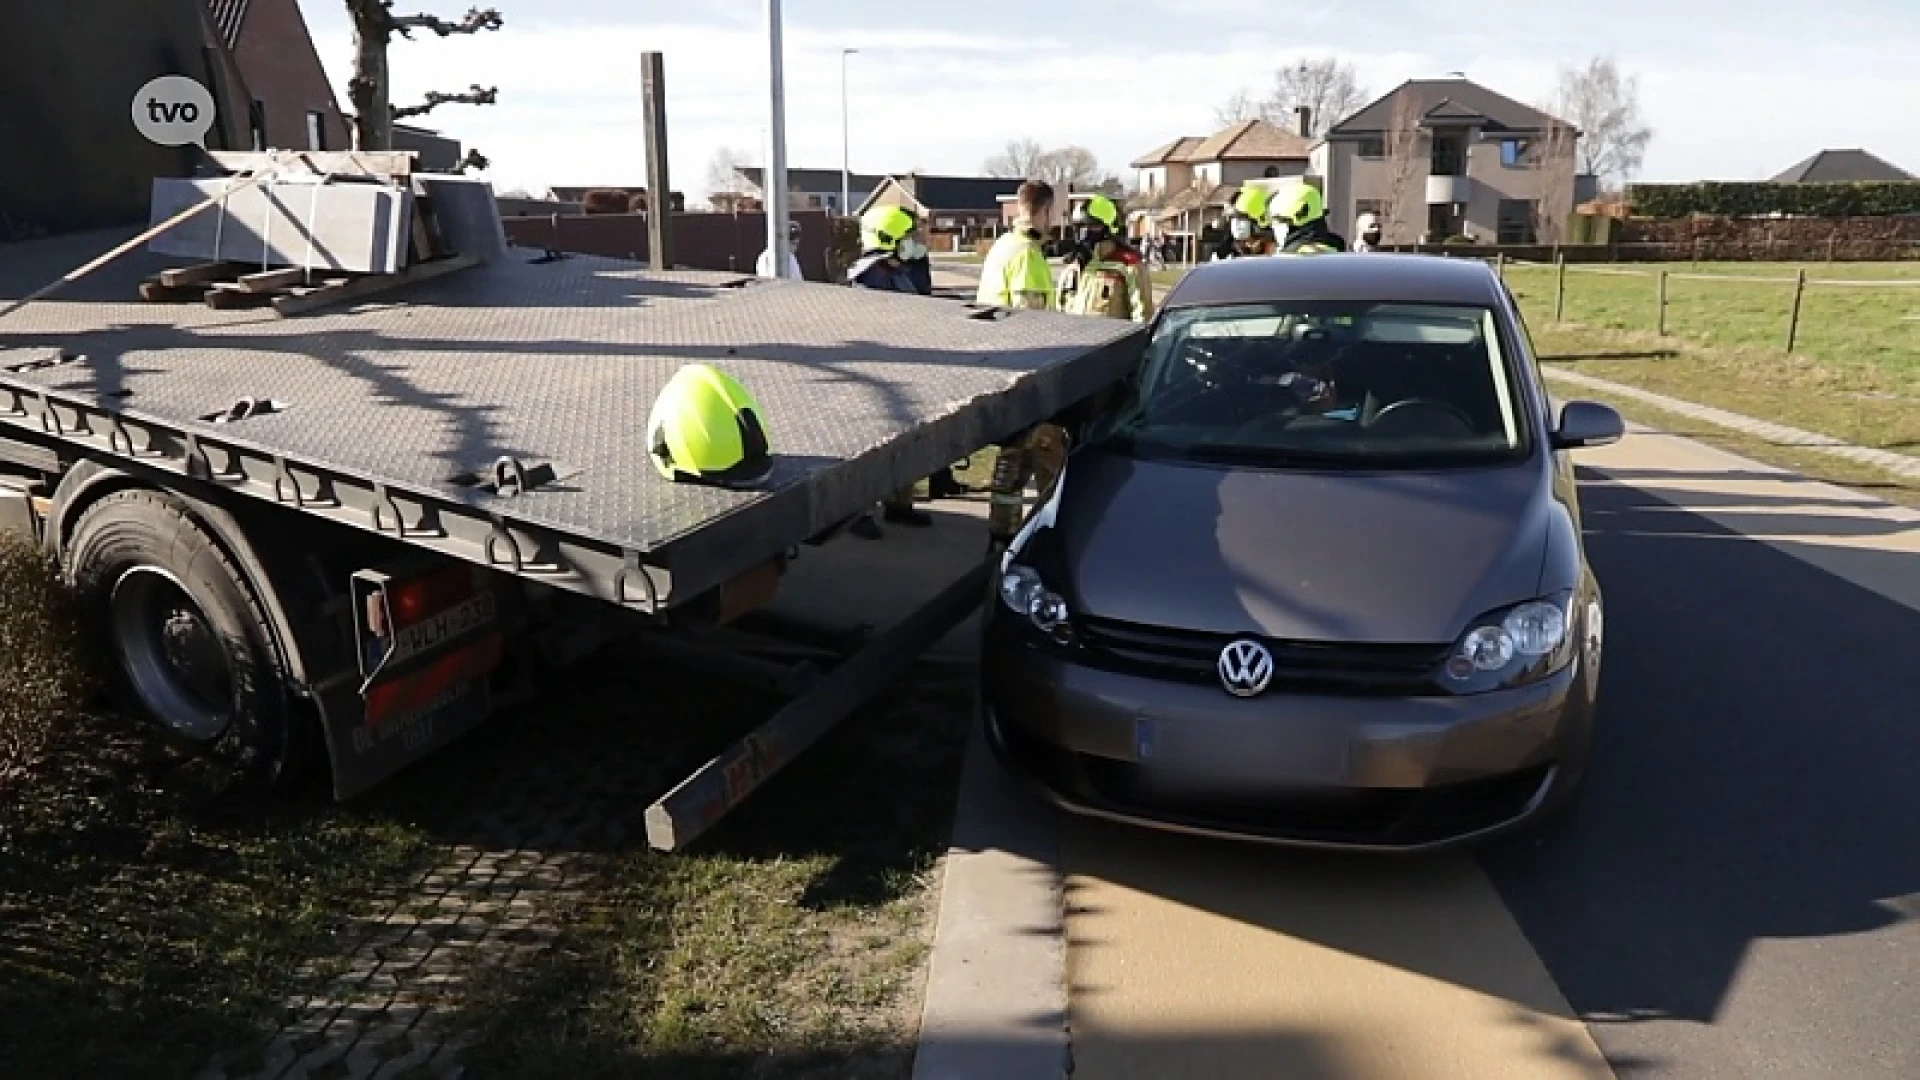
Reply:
x=1016, y=274
x=1117, y=286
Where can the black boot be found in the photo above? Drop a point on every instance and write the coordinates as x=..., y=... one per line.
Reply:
x=943, y=485
x=907, y=514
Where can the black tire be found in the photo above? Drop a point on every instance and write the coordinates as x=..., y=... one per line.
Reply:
x=158, y=590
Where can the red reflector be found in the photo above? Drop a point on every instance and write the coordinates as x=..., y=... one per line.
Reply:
x=411, y=693
x=428, y=596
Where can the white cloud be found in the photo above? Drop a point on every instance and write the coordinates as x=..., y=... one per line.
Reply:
x=1736, y=102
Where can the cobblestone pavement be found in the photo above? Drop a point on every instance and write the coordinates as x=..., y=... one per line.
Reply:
x=378, y=1011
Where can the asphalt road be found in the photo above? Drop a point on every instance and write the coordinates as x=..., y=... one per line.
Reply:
x=1737, y=897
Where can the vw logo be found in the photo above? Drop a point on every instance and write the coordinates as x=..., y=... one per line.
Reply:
x=1246, y=667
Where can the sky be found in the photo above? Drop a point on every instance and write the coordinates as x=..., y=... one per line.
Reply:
x=1734, y=90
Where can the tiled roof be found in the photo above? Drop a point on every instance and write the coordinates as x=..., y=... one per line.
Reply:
x=1843, y=167
x=228, y=17
x=1446, y=99
x=1173, y=152
x=1251, y=140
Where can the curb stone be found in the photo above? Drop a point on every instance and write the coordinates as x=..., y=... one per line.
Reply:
x=996, y=997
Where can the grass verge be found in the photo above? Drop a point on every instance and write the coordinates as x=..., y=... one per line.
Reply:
x=1809, y=463
x=790, y=943
x=1854, y=374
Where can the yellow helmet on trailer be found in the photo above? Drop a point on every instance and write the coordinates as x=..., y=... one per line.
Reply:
x=705, y=428
x=883, y=227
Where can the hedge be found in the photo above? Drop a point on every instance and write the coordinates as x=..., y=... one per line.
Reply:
x=1760, y=200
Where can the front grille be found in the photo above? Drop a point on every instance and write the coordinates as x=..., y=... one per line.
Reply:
x=1303, y=666
x=1380, y=816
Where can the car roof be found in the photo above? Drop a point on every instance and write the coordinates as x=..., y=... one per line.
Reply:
x=1341, y=277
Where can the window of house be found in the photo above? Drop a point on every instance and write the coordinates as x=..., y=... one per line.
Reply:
x=1513, y=152
x=257, y=123
x=1515, y=223
x=316, y=130
x=1373, y=148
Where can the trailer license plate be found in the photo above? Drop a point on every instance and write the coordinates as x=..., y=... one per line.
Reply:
x=449, y=625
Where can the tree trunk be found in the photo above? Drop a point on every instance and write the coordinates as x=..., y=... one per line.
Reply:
x=368, y=89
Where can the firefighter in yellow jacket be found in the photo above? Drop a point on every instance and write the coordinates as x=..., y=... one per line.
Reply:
x=1105, y=275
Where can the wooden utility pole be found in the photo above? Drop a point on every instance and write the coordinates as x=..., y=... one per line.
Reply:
x=653, y=88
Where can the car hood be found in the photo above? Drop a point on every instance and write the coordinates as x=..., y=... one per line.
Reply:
x=1315, y=556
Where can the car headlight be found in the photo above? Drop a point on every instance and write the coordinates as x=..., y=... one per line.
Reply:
x=1512, y=647
x=1022, y=591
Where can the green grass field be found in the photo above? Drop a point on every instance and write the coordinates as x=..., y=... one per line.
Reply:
x=1854, y=372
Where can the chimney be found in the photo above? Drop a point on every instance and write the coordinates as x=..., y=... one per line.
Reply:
x=1306, y=121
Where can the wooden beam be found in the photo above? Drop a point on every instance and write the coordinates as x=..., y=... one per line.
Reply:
x=372, y=284
x=267, y=281
x=200, y=274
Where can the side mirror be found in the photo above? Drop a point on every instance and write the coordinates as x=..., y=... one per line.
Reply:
x=1588, y=423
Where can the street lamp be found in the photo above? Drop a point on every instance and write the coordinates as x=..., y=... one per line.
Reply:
x=846, y=174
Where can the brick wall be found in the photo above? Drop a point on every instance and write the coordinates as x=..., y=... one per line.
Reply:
x=277, y=58
x=701, y=241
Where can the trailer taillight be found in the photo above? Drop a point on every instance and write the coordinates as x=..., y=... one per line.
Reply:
x=417, y=599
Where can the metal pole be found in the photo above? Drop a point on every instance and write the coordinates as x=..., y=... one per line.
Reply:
x=846, y=171
x=653, y=87
x=776, y=186
x=1793, y=317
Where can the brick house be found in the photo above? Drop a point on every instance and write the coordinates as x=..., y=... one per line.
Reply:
x=1479, y=165
x=1185, y=187
x=272, y=78
x=957, y=211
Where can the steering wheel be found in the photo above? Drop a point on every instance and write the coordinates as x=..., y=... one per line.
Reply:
x=1408, y=409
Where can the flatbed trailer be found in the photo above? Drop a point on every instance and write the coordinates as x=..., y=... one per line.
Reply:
x=384, y=515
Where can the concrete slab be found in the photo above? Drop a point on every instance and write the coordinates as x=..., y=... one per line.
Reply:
x=1190, y=958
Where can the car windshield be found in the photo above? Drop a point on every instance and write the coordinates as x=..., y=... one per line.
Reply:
x=1346, y=385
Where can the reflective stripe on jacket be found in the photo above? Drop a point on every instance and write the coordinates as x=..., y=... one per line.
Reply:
x=1119, y=288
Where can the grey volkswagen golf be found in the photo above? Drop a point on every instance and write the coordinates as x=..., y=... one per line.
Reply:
x=1316, y=577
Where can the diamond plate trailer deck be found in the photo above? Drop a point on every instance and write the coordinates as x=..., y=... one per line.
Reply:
x=392, y=416
x=399, y=415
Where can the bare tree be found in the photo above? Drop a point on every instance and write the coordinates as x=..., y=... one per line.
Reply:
x=1605, y=106
x=723, y=172
x=1555, y=153
x=1327, y=87
x=1407, y=163
x=1072, y=167
x=1241, y=106
x=1019, y=159
x=374, y=25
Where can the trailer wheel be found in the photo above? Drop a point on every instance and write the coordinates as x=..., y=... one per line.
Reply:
x=190, y=644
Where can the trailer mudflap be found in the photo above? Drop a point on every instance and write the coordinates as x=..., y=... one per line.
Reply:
x=428, y=639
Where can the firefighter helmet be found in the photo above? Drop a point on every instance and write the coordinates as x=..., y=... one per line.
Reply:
x=1301, y=205
x=883, y=227
x=706, y=428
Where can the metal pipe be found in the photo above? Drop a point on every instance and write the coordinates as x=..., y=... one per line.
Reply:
x=846, y=170
x=776, y=186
